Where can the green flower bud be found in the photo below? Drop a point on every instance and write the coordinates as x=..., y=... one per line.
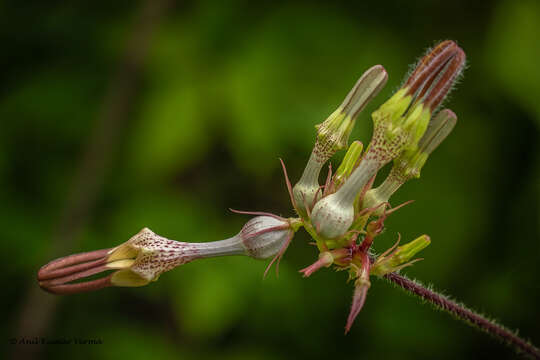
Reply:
x=349, y=163
x=397, y=258
x=333, y=133
x=401, y=122
x=409, y=164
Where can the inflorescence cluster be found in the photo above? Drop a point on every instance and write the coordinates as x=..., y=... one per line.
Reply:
x=343, y=216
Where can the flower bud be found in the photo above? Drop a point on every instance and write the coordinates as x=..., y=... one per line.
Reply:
x=399, y=257
x=349, y=163
x=409, y=164
x=403, y=119
x=145, y=256
x=333, y=134
x=361, y=287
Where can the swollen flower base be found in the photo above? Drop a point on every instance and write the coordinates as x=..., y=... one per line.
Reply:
x=344, y=215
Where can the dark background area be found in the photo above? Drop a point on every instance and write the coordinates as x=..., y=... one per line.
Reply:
x=118, y=115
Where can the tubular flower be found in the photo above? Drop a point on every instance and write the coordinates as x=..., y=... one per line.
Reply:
x=145, y=256
x=409, y=164
x=333, y=133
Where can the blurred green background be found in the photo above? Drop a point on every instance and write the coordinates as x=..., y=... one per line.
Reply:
x=118, y=115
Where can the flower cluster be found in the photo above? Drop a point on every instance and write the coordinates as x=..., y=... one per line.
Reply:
x=346, y=214
x=343, y=216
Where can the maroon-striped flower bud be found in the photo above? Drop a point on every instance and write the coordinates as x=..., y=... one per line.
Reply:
x=435, y=74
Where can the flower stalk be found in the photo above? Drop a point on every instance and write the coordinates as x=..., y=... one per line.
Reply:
x=468, y=316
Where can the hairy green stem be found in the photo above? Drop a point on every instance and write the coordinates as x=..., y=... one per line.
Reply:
x=441, y=302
